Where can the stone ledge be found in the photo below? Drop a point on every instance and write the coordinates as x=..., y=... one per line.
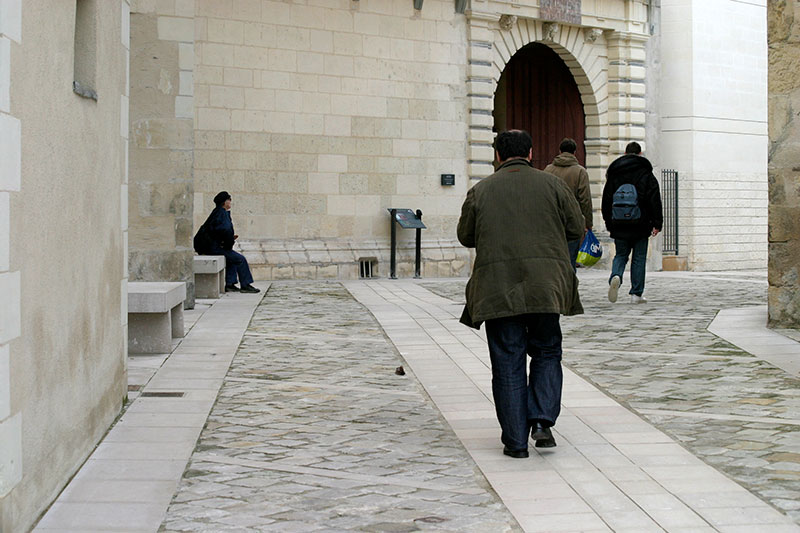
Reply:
x=338, y=259
x=208, y=264
x=155, y=296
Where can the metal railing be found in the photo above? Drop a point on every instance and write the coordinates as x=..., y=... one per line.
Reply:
x=669, y=200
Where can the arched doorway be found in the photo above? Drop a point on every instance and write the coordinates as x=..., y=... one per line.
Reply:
x=538, y=94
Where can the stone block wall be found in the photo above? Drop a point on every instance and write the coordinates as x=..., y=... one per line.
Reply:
x=161, y=185
x=317, y=117
x=784, y=163
x=713, y=129
x=63, y=304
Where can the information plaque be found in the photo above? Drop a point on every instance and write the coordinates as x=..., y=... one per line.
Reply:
x=407, y=219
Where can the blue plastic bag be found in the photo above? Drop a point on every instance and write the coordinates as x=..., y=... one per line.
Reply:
x=590, y=251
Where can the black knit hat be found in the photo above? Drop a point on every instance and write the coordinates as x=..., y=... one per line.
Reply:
x=220, y=198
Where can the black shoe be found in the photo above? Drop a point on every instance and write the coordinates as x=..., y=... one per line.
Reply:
x=249, y=288
x=231, y=288
x=543, y=436
x=516, y=454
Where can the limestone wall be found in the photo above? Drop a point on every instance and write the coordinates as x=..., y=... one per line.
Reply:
x=318, y=116
x=784, y=169
x=162, y=142
x=713, y=128
x=63, y=216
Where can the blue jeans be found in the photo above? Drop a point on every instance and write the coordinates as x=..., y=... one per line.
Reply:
x=236, y=267
x=518, y=400
x=574, y=248
x=638, y=262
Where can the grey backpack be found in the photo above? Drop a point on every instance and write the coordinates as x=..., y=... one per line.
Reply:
x=625, y=204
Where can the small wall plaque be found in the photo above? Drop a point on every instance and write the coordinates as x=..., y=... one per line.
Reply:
x=448, y=179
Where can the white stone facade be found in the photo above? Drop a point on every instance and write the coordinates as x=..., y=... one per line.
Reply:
x=713, y=111
x=319, y=116
x=10, y=310
x=63, y=314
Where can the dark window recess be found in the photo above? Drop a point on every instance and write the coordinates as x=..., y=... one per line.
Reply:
x=669, y=196
x=84, y=81
x=367, y=267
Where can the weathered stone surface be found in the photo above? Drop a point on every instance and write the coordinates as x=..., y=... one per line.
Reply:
x=784, y=223
x=314, y=431
x=784, y=166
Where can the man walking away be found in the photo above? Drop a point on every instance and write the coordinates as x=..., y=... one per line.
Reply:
x=632, y=213
x=566, y=166
x=519, y=220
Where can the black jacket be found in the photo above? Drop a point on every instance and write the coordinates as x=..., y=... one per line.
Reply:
x=216, y=233
x=638, y=171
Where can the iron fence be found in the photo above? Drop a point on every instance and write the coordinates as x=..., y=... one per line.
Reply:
x=669, y=199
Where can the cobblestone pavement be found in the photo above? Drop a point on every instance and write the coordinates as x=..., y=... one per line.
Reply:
x=314, y=431
x=733, y=410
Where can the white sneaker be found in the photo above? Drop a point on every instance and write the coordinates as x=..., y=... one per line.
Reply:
x=613, y=288
x=638, y=299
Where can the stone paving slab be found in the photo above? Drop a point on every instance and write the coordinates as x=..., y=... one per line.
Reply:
x=130, y=478
x=732, y=409
x=314, y=431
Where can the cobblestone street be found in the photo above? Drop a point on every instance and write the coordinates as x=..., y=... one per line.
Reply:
x=314, y=431
x=733, y=410
x=283, y=411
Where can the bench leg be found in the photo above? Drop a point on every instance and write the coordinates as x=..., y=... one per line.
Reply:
x=176, y=318
x=207, y=286
x=149, y=333
x=221, y=277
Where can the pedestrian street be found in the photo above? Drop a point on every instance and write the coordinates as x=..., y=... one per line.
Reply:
x=306, y=424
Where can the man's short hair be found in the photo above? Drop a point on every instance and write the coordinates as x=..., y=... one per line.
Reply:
x=220, y=198
x=568, y=145
x=513, y=143
x=633, y=148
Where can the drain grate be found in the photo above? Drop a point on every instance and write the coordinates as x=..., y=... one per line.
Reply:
x=367, y=267
x=162, y=394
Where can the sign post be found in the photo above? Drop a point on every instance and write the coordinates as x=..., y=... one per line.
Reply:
x=407, y=219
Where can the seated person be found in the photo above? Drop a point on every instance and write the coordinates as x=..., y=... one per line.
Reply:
x=216, y=237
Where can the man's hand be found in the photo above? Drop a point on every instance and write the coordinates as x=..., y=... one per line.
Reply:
x=236, y=237
x=654, y=232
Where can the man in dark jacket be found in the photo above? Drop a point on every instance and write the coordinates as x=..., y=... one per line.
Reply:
x=216, y=237
x=632, y=213
x=519, y=220
x=566, y=166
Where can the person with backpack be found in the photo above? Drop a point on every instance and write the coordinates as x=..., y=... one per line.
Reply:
x=632, y=212
x=216, y=237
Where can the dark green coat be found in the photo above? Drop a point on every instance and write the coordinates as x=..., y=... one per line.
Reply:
x=519, y=220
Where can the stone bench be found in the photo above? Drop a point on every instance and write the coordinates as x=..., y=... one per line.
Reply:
x=209, y=276
x=155, y=315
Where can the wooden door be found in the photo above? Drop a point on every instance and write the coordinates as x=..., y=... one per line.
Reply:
x=541, y=97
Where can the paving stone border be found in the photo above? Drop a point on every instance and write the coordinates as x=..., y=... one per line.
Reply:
x=731, y=409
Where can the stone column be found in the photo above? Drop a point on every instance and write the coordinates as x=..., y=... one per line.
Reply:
x=627, y=104
x=783, y=169
x=480, y=90
x=626, y=90
x=161, y=189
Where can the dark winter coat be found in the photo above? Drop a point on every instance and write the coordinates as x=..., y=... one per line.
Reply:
x=637, y=170
x=519, y=220
x=216, y=234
